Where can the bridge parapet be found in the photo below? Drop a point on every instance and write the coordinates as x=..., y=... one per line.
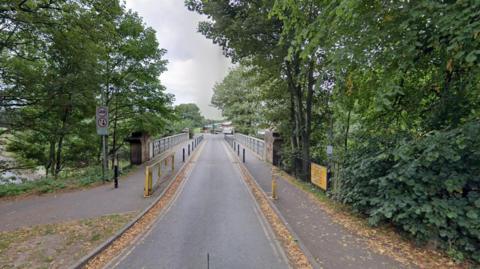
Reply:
x=143, y=148
x=254, y=144
x=267, y=150
x=160, y=145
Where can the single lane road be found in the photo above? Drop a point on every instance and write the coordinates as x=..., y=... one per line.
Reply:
x=214, y=214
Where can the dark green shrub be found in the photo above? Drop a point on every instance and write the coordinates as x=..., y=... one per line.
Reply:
x=427, y=187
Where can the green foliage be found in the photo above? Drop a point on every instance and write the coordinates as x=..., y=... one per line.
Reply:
x=427, y=187
x=188, y=116
x=189, y=112
x=238, y=97
x=394, y=86
x=60, y=60
x=185, y=116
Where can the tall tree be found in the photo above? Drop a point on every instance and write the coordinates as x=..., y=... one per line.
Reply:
x=249, y=30
x=131, y=67
x=187, y=116
x=239, y=99
x=50, y=83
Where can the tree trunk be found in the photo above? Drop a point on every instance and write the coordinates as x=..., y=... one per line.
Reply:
x=294, y=137
x=51, y=159
x=308, y=124
x=292, y=74
x=303, y=135
x=347, y=129
x=63, y=131
x=58, y=165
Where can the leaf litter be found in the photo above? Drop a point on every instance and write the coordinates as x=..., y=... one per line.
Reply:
x=381, y=239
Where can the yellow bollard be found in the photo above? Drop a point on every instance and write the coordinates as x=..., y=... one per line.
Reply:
x=173, y=162
x=274, y=187
x=159, y=171
x=147, y=191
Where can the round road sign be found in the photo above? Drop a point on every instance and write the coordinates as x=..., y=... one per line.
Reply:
x=102, y=122
x=102, y=112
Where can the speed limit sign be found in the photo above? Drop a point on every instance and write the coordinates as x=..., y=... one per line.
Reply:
x=102, y=120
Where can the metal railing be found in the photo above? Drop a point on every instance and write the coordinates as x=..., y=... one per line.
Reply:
x=162, y=144
x=229, y=139
x=254, y=144
x=149, y=185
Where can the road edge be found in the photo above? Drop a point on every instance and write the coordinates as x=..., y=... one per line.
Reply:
x=98, y=250
x=247, y=176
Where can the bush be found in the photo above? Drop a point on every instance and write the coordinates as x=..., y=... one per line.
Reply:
x=428, y=188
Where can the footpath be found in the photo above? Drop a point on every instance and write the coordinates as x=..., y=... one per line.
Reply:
x=89, y=202
x=329, y=243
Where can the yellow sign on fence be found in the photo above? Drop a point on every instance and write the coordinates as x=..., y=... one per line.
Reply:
x=318, y=175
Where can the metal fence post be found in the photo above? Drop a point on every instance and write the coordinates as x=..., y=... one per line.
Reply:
x=183, y=154
x=243, y=155
x=116, y=172
x=274, y=186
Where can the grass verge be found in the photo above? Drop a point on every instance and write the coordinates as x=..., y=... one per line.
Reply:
x=57, y=245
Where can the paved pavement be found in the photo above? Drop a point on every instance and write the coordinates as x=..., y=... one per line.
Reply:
x=91, y=202
x=214, y=214
x=331, y=245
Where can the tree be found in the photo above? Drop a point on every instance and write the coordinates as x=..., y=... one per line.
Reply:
x=238, y=98
x=250, y=30
x=394, y=86
x=186, y=116
x=51, y=85
x=405, y=92
x=64, y=78
x=131, y=65
x=189, y=112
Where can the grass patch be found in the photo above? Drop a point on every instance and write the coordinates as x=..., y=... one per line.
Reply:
x=57, y=245
x=95, y=237
x=69, y=179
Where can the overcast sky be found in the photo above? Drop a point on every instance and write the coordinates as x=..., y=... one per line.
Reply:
x=195, y=63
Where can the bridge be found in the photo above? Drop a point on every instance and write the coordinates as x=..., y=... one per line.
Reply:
x=213, y=216
x=210, y=205
x=221, y=212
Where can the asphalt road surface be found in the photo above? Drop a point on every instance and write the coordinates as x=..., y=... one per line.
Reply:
x=215, y=215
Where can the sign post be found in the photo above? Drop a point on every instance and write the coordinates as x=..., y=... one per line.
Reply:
x=102, y=129
x=102, y=120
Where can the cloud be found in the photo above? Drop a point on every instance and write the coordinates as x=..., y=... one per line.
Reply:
x=195, y=63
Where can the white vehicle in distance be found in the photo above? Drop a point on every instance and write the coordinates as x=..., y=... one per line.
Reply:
x=228, y=130
x=227, y=127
